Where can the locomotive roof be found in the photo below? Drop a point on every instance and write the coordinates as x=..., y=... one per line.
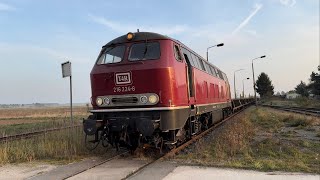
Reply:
x=138, y=36
x=142, y=36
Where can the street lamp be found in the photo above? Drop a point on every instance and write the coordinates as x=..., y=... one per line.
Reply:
x=254, y=82
x=217, y=45
x=234, y=82
x=243, y=86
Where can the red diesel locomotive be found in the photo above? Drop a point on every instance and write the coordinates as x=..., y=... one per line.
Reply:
x=151, y=89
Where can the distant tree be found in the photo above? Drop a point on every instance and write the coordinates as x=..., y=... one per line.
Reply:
x=314, y=85
x=278, y=94
x=291, y=91
x=283, y=93
x=264, y=86
x=302, y=89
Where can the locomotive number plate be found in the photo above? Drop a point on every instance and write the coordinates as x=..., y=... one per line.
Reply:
x=124, y=89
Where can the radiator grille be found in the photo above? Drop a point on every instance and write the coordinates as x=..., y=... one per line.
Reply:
x=125, y=100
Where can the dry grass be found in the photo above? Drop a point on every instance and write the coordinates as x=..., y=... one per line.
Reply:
x=22, y=120
x=60, y=146
x=262, y=139
x=63, y=147
x=27, y=113
x=298, y=102
x=234, y=139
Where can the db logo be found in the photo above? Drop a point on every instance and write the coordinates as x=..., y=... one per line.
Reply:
x=123, y=78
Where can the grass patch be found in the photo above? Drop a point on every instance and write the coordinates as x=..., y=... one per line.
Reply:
x=258, y=139
x=62, y=146
x=43, y=112
x=298, y=102
x=23, y=120
x=55, y=147
x=12, y=129
x=300, y=122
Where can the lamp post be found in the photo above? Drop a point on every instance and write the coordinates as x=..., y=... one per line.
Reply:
x=243, y=86
x=254, y=82
x=217, y=45
x=234, y=82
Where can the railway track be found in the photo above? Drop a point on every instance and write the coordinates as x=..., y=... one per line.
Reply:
x=175, y=151
x=98, y=164
x=305, y=111
x=121, y=156
x=169, y=154
x=34, y=133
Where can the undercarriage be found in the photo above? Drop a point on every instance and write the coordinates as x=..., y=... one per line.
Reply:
x=139, y=129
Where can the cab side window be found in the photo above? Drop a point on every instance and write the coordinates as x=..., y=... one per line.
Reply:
x=187, y=56
x=177, y=53
x=196, y=61
x=201, y=64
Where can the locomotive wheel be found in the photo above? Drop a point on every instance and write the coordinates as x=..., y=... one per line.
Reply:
x=133, y=142
x=104, y=140
x=171, y=146
x=91, y=142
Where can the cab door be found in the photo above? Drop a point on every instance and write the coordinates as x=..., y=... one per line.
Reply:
x=189, y=74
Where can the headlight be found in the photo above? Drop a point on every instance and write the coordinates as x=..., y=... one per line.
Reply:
x=153, y=99
x=144, y=99
x=99, y=101
x=107, y=101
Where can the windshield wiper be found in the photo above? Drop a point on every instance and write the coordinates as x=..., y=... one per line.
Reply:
x=111, y=47
x=146, y=48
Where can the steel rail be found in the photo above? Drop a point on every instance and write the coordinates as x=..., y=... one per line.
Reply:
x=305, y=111
x=194, y=139
x=33, y=134
x=164, y=156
x=97, y=164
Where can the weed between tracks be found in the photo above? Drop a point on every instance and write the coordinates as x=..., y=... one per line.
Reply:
x=263, y=139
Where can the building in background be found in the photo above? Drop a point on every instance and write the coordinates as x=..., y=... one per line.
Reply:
x=292, y=95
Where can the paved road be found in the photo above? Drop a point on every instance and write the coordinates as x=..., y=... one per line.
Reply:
x=119, y=168
x=187, y=172
x=172, y=171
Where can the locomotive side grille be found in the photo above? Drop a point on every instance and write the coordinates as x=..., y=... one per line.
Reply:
x=125, y=100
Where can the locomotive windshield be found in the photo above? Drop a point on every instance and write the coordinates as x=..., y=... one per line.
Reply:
x=144, y=51
x=113, y=54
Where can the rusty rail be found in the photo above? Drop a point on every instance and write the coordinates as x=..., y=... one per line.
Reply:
x=194, y=139
x=34, y=133
x=305, y=111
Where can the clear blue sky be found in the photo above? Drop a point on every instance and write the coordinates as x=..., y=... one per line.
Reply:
x=37, y=36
